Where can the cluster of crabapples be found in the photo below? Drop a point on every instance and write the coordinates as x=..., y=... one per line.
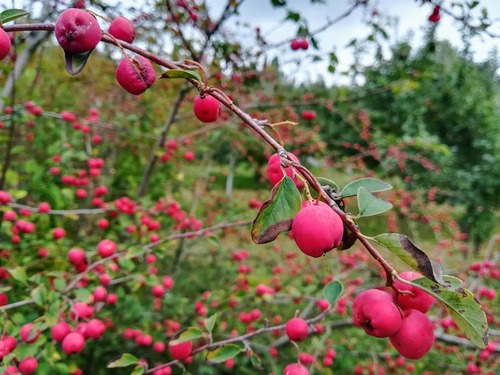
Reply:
x=78, y=32
x=400, y=317
x=316, y=229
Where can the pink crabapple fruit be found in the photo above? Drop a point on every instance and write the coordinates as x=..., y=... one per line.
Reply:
x=28, y=334
x=297, y=329
x=135, y=75
x=106, y=248
x=415, y=336
x=295, y=369
x=77, y=31
x=121, y=28
x=180, y=351
x=379, y=317
x=5, y=44
x=317, y=229
x=59, y=331
x=73, y=343
x=274, y=171
x=28, y=365
x=206, y=108
x=418, y=300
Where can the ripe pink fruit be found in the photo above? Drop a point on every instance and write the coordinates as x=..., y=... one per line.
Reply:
x=308, y=115
x=158, y=291
x=416, y=335
x=58, y=233
x=180, y=351
x=297, y=329
x=419, y=300
x=206, y=108
x=379, y=317
x=77, y=256
x=366, y=296
x=3, y=299
x=5, y=44
x=28, y=365
x=77, y=31
x=100, y=293
x=304, y=44
x=59, y=331
x=5, y=197
x=317, y=229
x=73, y=343
x=94, y=328
x=275, y=173
x=295, y=369
x=159, y=347
x=295, y=44
x=106, y=248
x=135, y=75
x=121, y=28
x=43, y=207
x=28, y=334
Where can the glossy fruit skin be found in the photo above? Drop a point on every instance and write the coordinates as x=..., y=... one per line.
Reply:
x=419, y=300
x=378, y=317
x=121, y=28
x=274, y=172
x=77, y=31
x=180, y=351
x=60, y=331
x=317, y=229
x=297, y=329
x=28, y=334
x=369, y=295
x=206, y=108
x=135, y=75
x=28, y=365
x=5, y=44
x=295, y=369
x=415, y=336
x=106, y=248
x=73, y=343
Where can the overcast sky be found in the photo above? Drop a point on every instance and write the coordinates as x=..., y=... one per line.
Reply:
x=411, y=15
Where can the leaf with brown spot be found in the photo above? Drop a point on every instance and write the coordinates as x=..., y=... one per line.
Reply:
x=276, y=214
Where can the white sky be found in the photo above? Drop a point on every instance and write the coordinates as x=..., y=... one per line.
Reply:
x=411, y=14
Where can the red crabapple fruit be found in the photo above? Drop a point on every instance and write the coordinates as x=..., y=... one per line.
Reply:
x=206, y=108
x=368, y=295
x=297, y=329
x=77, y=31
x=295, y=369
x=73, y=343
x=5, y=44
x=415, y=336
x=28, y=334
x=180, y=351
x=275, y=173
x=59, y=331
x=121, y=28
x=418, y=300
x=135, y=75
x=28, y=365
x=317, y=229
x=106, y=248
x=378, y=317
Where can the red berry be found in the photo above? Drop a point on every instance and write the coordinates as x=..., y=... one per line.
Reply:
x=297, y=329
x=295, y=44
x=317, y=229
x=77, y=31
x=28, y=334
x=206, y=108
x=121, y=28
x=5, y=44
x=28, y=365
x=135, y=75
x=304, y=44
x=379, y=317
x=76, y=256
x=418, y=300
x=295, y=369
x=106, y=248
x=58, y=233
x=415, y=337
x=94, y=328
x=308, y=115
x=73, y=343
x=59, y=331
x=274, y=172
x=180, y=351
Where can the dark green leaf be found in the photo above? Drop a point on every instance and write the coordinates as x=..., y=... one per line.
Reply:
x=190, y=334
x=332, y=291
x=75, y=62
x=278, y=3
x=326, y=182
x=12, y=14
x=401, y=246
x=124, y=360
x=180, y=73
x=223, y=353
x=276, y=215
x=294, y=16
x=370, y=205
x=373, y=185
x=461, y=304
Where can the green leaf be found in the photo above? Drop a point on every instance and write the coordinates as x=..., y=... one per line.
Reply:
x=12, y=14
x=138, y=370
x=190, y=334
x=294, y=16
x=278, y=3
x=401, y=246
x=75, y=62
x=124, y=360
x=210, y=322
x=369, y=204
x=326, y=182
x=18, y=274
x=126, y=263
x=332, y=291
x=135, y=252
x=276, y=215
x=39, y=295
x=462, y=306
x=373, y=185
x=59, y=283
x=83, y=295
x=180, y=73
x=223, y=353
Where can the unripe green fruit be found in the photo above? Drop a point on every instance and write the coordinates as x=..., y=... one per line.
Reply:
x=415, y=336
x=317, y=229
